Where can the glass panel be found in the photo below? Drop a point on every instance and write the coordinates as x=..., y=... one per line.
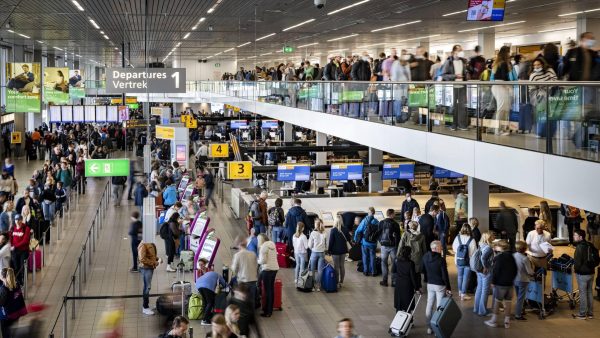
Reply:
x=453, y=112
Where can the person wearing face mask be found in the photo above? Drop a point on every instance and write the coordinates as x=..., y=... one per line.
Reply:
x=541, y=72
x=503, y=70
x=408, y=205
x=419, y=66
x=455, y=69
x=580, y=62
x=361, y=69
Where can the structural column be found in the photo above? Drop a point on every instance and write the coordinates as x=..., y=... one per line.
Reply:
x=288, y=130
x=479, y=202
x=487, y=43
x=51, y=59
x=585, y=24
x=321, y=159
x=375, y=181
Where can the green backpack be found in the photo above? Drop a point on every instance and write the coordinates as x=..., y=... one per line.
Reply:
x=195, y=307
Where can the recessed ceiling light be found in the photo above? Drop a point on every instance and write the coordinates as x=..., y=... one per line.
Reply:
x=310, y=44
x=343, y=37
x=580, y=12
x=500, y=25
x=11, y=31
x=210, y=10
x=101, y=32
x=25, y=36
x=556, y=30
x=79, y=7
x=244, y=44
x=338, y=50
x=396, y=26
x=201, y=19
x=266, y=36
x=251, y=57
x=186, y=36
x=94, y=24
x=229, y=50
x=218, y=53
x=266, y=54
x=349, y=6
x=57, y=48
x=39, y=41
x=298, y=25
x=106, y=37
x=454, y=13
x=78, y=55
x=373, y=45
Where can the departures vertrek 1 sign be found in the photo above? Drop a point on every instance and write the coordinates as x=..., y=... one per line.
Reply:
x=152, y=80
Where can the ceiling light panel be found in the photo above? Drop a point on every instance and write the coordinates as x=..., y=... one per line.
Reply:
x=348, y=7
x=78, y=5
x=298, y=25
x=94, y=24
x=343, y=37
x=396, y=26
x=244, y=44
x=266, y=36
x=493, y=26
x=307, y=45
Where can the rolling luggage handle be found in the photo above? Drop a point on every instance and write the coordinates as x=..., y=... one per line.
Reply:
x=416, y=296
x=180, y=269
x=439, y=308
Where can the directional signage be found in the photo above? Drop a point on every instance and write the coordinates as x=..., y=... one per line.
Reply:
x=138, y=80
x=130, y=124
x=184, y=118
x=106, y=168
x=219, y=150
x=288, y=49
x=191, y=123
x=15, y=137
x=165, y=133
x=239, y=170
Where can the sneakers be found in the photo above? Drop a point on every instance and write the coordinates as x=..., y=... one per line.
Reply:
x=383, y=283
x=507, y=325
x=205, y=322
x=491, y=323
x=134, y=270
x=147, y=312
x=170, y=269
x=590, y=316
x=464, y=296
x=429, y=331
x=339, y=286
x=578, y=316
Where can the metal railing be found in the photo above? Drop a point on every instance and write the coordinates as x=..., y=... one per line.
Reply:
x=84, y=261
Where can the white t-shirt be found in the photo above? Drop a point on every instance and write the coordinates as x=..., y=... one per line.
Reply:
x=458, y=68
x=534, y=241
x=300, y=244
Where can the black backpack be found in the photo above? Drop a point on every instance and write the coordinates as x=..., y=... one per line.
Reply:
x=372, y=231
x=164, y=230
x=386, y=233
x=592, y=257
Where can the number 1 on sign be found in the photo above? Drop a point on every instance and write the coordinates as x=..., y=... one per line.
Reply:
x=176, y=77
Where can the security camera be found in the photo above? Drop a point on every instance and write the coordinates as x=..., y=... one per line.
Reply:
x=320, y=3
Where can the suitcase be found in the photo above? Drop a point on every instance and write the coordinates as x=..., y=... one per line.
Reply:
x=276, y=298
x=329, y=280
x=221, y=301
x=525, y=117
x=170, y=305
x=187, y=258
x=181, y=284
x=305, y=282
x=283, y=256
x=355, y=253
x=38, y=260
x=445, y=318
x=403, y=320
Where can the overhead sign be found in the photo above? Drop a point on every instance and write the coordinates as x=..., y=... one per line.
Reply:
x=191, y=123
x=130, y=124
x=346, y=171
x=396, y=171
x=165, y=133
x=24, y=87
x=219, y=150
x=239, y=170
x=154, y=80
x=184, y=118
x=15, y=137
x=445, y=173
x=106, y=168
x=293, y=172
x=288, y=49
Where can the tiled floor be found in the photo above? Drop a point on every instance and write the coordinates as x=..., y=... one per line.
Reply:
x=304, y=315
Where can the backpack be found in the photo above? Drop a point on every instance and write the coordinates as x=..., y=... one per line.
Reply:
x=273, y=217
x=462, y=254
x=386, y=236
x=195, y=307
x=254, y=210
x=593, y=257
x=475, y=262
x=164, y=230
x=372, y=231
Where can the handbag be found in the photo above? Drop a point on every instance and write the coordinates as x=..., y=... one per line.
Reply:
x=33, y=244
x=348, y=245
x=15, y=306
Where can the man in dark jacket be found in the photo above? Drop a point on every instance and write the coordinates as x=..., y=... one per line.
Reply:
x=408, y=205
x=435, y=272
x=434, y=198
x=586, y=260
x=389, y=238
x=579, y=62
x=508, y=224
x=139, y=194
x=504, y=271
x=427, y=224
x=419, y=66
x=442, y=229
x=333, y=70
x=361, y=69
x=294, y=215
x=135, y=234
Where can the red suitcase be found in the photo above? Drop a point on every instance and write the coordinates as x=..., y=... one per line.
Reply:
x=283, y=255
x=277, y=298
x=38, y=260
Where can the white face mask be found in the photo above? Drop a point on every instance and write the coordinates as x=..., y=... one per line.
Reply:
x=409, y=199
x=590, y=43
x=537, y=70
x=365, y=58
x=461, y=54
x=405, y=57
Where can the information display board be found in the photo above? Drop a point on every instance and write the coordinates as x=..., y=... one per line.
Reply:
x=208, y=248
x=101, y=114
x=78, y=113
x=293, y=172
x=239, y=124
x=346, y=171
x=90, y=113
x=67, y=113
x=183, y=183
x=396, y=171
x=270, y=124
x=112, y=114
x=55, y=115
x=486, y=10
x=123, y=113
x=445, y=173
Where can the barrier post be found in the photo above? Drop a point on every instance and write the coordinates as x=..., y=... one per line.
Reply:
x=65, y=318
x=44, y=250
x=25, y=279
x=33, y=266
x=191, y=335
x=85, y=261
x=73, y=294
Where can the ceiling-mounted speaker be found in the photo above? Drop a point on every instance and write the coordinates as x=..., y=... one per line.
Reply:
x=205, y=60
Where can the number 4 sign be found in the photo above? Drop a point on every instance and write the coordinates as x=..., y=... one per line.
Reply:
x=239, y=170
x=219, y=150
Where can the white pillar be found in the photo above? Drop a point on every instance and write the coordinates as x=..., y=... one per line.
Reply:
x=321, y=159
x=375, y=181
x=479, y=205
x=288, y=129
x=585, y=24
x=487, y=43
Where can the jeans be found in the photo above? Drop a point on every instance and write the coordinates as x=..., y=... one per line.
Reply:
x=48, y=209
x=434, y=292
x=208, y=298
x=317, y=263
x=268, y=280
x=368, y=259
x=586, y=297
x=147, y=278
x=277, y=234
x=134, y=251
x=259, y=227
x=443, y=240
x=521, y=290
x=208, y=197
x=18, y=260
x=387, y=251
x=300, y=264
x=116, y=192
x=481, y=294
x=252, y=289
x=338, y=265
x=463, y=278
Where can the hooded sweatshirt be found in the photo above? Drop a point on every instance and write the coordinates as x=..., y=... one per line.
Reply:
x=295, y=214
x=19, y=238
x=267, y=257
x=416, y=241
x=435, y=270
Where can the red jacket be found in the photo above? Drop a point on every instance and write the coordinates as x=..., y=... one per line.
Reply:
x=19, y=238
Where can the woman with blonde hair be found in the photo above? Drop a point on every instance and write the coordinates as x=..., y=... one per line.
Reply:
x=300, y=244
x=462, y=259
x=546, y=216
x=317, y=243
x=502, y=71
x=338, y=248
x=11, y=301
x=232, y=316
x=484, y=276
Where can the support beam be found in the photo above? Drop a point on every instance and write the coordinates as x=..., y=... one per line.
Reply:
x=321, y=159
x=487, y=42
x=375, y=181
x=288, y=130
x=479, y=205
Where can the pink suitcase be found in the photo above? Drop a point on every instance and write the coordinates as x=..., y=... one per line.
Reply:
x=38, y=260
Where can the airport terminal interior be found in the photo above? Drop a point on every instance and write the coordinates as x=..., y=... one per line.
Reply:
x=309, y=168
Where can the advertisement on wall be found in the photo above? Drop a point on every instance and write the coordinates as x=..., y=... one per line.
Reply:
x=486, y=10
x=56, y=86
x=76, y=84
x=23, y=88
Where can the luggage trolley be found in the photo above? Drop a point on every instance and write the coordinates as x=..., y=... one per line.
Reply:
x=535, y=294
x=562, y=280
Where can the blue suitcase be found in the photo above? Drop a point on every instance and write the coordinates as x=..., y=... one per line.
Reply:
x=445, y=318
x=329, y=279
x=525, y=117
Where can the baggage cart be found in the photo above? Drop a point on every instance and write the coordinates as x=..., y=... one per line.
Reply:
x=562, y=280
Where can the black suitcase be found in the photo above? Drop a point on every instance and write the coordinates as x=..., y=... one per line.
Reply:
x=355, y=253
x=525, y=117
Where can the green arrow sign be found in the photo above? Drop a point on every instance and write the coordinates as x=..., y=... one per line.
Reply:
x=288, y=49
x=106, y=168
